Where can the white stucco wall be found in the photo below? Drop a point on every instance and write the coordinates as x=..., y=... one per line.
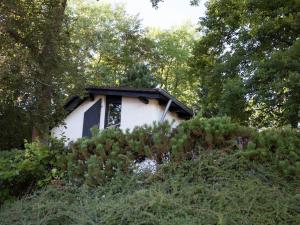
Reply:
x=171, y=117
x=73, y=123
x=136, y=113
x=133, y=113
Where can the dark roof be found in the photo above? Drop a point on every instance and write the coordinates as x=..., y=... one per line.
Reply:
x=145, y=93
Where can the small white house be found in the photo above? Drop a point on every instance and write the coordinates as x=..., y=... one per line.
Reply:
x=125, y=108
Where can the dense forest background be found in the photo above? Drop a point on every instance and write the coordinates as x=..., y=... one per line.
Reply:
x=241, y=61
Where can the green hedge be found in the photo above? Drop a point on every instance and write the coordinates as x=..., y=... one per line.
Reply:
x=96, y=160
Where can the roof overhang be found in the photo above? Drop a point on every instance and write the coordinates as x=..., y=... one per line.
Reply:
x=146, y=93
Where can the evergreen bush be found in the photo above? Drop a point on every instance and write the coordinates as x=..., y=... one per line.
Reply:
x=96, y=160
x=216, y=188
x=280, y=147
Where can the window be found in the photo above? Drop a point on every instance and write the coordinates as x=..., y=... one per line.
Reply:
x=91, y=119
x=113, y=111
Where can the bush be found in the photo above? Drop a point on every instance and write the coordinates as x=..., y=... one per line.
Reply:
x=215, y=189
x=96, y=160
x=200, y=134
x=21, y=171
x=280, y=147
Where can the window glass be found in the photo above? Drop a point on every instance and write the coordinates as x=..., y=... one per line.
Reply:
x=113, y=111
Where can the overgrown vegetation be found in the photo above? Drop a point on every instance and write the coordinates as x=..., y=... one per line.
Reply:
x=95, y=161
x=22, y=171
x=210, y=171
x=216, y=188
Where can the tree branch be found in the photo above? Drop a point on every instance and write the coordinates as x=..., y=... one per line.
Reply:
x=26, y=43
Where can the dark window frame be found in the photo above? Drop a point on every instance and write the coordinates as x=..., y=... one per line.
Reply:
x=115, y=100
x=91, y=118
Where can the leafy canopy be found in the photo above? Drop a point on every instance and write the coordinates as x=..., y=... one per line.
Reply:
x=254, y=43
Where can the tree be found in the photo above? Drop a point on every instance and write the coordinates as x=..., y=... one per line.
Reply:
x=114, y=49
x=171, y=50
x=241, y=39
x=35, y=63
x=233, y=101
x=14, y=123
x=139, y=76
x=107, y=41
x=276, y=86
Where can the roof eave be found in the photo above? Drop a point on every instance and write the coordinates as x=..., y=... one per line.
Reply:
x=156, y=93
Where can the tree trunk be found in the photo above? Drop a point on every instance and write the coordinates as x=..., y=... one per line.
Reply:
x=48, y=61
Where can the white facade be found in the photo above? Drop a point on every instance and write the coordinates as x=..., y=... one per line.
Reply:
x=133, y=113
x=136, y=113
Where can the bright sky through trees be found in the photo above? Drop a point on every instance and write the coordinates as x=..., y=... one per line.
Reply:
x=169, y=13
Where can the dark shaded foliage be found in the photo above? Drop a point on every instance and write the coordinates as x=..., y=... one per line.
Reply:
x=22, y=171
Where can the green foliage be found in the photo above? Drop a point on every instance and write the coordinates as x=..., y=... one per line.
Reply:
x=199, y=134
x=116, y=50
x=170, y=53
x=233, y=101
x=36, y=64
x=139, y=76
x=106, y=41
x=278, y=146
x=281, y=101
x=97, y=160
x=216, y=188
x=14, y=123
x=156, y=2
x=152, y=142
x=210, y=171
x=251, y=48
x=21, y=171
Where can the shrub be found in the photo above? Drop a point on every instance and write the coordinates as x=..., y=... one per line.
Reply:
x=210, y=171
x=21, y=171
x=200, y=134
x=280, y=147
x=152, y=141
x=215, y=189
x=96, y=160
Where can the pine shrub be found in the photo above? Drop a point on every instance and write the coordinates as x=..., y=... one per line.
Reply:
x=95, y=161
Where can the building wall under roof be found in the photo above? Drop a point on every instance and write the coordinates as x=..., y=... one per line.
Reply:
x=136, y=113
x=133, y=113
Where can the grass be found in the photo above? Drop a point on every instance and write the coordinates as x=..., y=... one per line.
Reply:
x=215, y=189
